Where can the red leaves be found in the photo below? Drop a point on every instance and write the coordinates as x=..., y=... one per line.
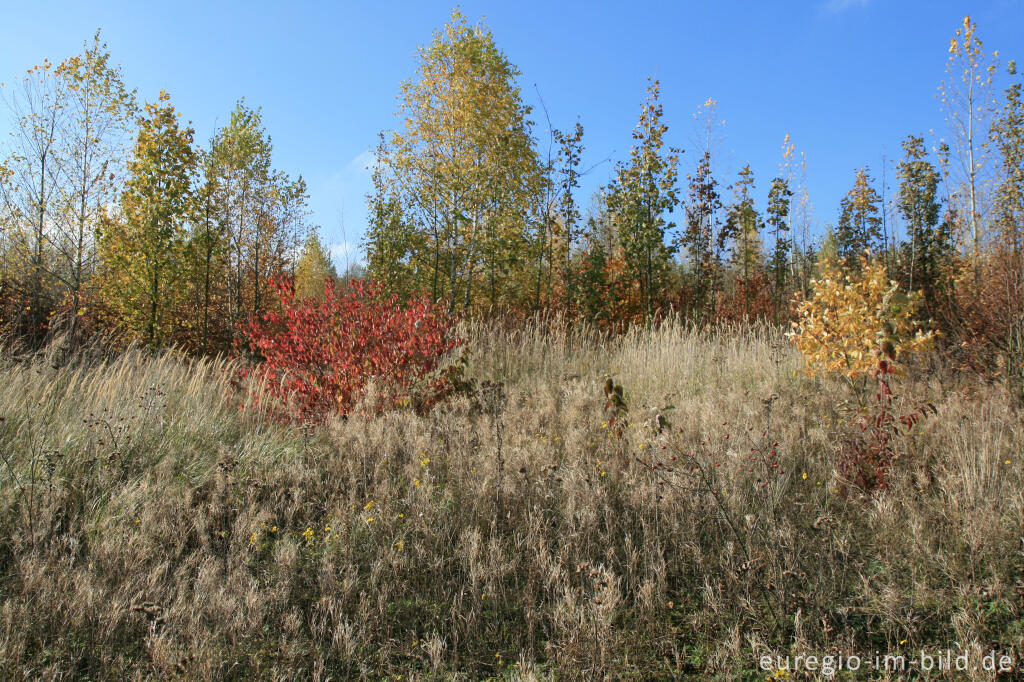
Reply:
x=868, y=456
x=318, y=356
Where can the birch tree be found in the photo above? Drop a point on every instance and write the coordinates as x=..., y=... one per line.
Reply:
x=460, y=175
x=968, y=100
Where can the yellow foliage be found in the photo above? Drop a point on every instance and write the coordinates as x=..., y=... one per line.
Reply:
x=854, y=318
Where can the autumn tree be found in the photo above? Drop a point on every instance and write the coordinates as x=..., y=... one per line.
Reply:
x=827, y=252
x=396, y=253
x=793, y=169
x=743, y=226
x=640, y=197
x=1008, y=138
x=72, y=124
x=241, y=167
x=859, y=326
x=143, y=248
x=777, y=223
x=991, y=303
x=461, y=176
x=930, y=246
x=600, y=258
x=94, y=133
x=546, y=241
x=860, y=223
x=29, y=196
x=702, y=218
x=741, y=234
x=285, y=228
x=313, y=270
x=264, y=210
x=208, y=271
x=851, y=316
x=967, y=98
x=557, y=229
x=570, y=152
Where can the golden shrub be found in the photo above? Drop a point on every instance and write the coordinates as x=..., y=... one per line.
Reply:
x=852, y=318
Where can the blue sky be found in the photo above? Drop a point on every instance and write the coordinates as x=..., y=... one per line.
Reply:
x=847, y=79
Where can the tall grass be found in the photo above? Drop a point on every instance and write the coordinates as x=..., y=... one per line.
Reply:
x=151, y=529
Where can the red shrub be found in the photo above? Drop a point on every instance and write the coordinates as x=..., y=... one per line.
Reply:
x=319, y=355
x=868, y=454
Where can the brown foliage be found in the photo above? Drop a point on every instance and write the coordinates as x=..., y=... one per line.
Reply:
x=986, y=317
x=749, y=299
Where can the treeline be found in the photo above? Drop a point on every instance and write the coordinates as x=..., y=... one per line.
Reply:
x=471, y=209
x=468, y=207
x=113, y=217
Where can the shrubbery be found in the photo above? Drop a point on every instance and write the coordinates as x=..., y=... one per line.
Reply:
x=320, y=354
x=860, y=326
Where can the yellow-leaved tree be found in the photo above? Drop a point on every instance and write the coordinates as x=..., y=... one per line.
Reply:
x=453, y=205
x=142, y=246
x=313, y=270
x=854, y=318
x=859, y=325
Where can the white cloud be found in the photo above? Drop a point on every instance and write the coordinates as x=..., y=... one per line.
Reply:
x=362, y=164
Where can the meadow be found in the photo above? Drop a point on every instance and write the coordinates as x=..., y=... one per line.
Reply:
x=153, y=527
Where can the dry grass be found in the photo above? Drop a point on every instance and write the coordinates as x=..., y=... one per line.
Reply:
x=152, y=530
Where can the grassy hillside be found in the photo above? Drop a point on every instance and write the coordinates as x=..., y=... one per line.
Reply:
x=152, y=530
